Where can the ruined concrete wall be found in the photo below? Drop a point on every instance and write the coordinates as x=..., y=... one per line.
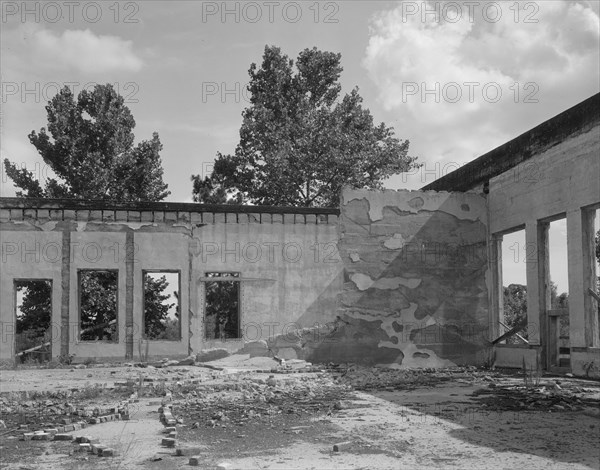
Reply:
x=555, y=182
x=291, y=274
x=415, y=292
x=288, y=263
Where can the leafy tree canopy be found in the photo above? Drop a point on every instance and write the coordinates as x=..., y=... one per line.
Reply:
x=89, y=146
x=299, y=143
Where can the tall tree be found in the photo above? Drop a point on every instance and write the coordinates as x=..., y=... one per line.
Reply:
x=299, y=143
x=89, y=146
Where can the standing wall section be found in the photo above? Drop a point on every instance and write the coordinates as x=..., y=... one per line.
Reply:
x=290, y=271
x=415, y=291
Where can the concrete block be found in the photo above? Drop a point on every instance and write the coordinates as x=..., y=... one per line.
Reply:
x=28, y=436
x=51, y=430
x=168, y=442
x=311, y=219
x=108, y=216
x=55, y=214
x=169, y=429
x=134, y=216
x=43, y=436
x=63, y=437
x=120, y=216
x=83, y=439
x=170, y=422
x=43, y=215
x=195, y=461
x=207, y=355
x=95, y=216
x=170, y=217
x=4, y=215
x=69, y=428
x=83, y=215
x=84, y=447
x=276, y=218
x=107, y=452
x=159, y=216
x=342, y=446
x=147, y=216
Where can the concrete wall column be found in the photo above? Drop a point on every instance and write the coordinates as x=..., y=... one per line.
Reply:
x=129, y=267
x=536, y=253
x=496, y=289
x=583, y=330
x=65, y=292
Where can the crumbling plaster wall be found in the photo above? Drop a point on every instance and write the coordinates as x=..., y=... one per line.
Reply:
x=415, y=291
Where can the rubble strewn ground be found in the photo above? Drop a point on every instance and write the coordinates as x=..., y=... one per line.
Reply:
x=242, y=412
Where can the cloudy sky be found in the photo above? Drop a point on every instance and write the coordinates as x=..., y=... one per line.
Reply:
x=455, y=78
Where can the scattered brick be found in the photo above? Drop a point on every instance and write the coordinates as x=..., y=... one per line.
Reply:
x=168, y=442
x=106, y=452
x=341, y=446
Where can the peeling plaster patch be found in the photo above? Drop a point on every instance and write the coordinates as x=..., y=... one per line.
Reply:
x=416, y=203
x=81, y=226
x=48, y=226
x=415, y=357
x=420, y=355
x=364, y=282
x=133, y=225
x=396, y=242
x=188, y=226
x=354, y=257
x=404, y=200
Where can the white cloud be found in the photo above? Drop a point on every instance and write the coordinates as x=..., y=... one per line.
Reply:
x=84, y=51
x=408, y=55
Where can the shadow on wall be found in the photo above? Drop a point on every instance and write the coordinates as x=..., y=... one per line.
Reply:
x=415, y=290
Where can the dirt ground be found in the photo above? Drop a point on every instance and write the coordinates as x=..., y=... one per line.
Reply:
x=250, y=413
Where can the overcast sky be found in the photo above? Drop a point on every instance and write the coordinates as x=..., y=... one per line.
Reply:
x=456, y=79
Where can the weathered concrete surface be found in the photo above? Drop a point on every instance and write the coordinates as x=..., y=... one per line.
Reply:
x=415, y=292
x=290, y=271
x=560, y=181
